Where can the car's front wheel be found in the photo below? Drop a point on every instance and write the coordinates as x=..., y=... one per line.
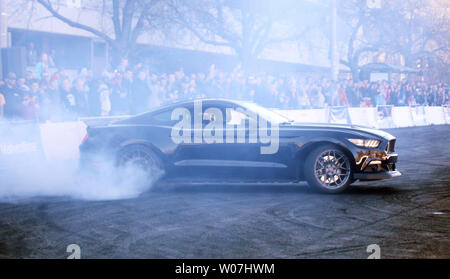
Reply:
x=328, y=169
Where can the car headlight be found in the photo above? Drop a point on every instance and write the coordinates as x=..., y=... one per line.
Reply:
x=368, y=143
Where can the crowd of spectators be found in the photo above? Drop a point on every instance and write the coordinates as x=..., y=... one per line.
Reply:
x=41, y=95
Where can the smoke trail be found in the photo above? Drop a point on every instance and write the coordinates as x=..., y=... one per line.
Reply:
x=25, y=172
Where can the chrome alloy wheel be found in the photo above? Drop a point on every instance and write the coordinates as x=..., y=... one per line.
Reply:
x=332, y=169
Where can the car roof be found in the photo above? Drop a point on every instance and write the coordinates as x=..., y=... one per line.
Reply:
x=187, y=102
x=209, y=100
x=181, y=103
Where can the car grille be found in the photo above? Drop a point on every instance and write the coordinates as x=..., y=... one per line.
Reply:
x=390, y=146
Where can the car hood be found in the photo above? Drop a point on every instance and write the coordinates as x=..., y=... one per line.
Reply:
x=344, y=127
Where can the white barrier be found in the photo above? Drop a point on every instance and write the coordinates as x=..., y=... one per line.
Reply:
x=447, y=114
x=418, y=115
x=394, y=117
x=402, y=117
x=435, y=115
x=363, y=116
x=60, y=141
x=383, y=116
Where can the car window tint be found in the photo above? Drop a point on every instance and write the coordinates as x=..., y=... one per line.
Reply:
x=164, y=116
x=236, y=117
x=208, y=117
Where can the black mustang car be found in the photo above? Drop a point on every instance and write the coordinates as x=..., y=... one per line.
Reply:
x=218, y=140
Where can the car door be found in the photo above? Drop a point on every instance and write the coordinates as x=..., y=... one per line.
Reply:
x=248, y=148
x=228, y=147
x=203, y=155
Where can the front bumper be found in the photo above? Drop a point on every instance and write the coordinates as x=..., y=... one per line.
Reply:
x=377, y=175
x=376, y=165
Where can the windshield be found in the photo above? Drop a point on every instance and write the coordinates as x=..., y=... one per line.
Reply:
x=267, y=114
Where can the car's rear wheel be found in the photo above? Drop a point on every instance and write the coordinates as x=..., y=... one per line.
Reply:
x=141, y=159
x=328, y=169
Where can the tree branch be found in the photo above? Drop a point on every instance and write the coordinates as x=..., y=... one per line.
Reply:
x=141, y=21
x=194, y=31
x=127, y=18
x=72, y=23
x=116, y=19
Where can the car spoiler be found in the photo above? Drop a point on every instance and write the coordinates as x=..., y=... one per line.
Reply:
x=102, y=121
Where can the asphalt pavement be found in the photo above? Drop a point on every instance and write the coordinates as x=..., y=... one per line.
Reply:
x=408, y=217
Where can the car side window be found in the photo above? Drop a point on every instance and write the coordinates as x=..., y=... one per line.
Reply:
x=241, y=116
x=208, y=117
x=165, y=116
x=236, y=117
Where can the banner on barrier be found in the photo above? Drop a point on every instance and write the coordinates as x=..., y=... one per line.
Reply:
x=384, y=117
x=418, y=115
x=20, y=144
x=339, y=115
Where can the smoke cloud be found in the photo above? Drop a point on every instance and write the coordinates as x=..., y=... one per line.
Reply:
x=25, y=172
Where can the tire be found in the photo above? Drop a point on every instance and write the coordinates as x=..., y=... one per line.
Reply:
x=143, y=159
x=325, y=173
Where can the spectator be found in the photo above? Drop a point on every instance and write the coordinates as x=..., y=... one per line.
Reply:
x=52, y=58
x=319, y=99
x=22, y=86
x=380, y=99
x=155, y=99
x=303, y=100
x=123, y=67
x=44, y=101
x=13, y=98
x=29, y=110
x=29, y=76
x=54, y=96
x=69, y=101
x=140, y=92
x=93, y=97
x=80, y=92
x=395, y=95
x=42, y=67
x=119, y=97
x=31, y=55
x=352, y=94
x=412, y=100
x=342, y=96
x=419, y=97
x=105, y=102
x=51, y=97
x=127, y=87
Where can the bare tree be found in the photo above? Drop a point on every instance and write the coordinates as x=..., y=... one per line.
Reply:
x=246, y=27
x=419, y=32
x=364, y=36
x=409, y=28
x=129, y=19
